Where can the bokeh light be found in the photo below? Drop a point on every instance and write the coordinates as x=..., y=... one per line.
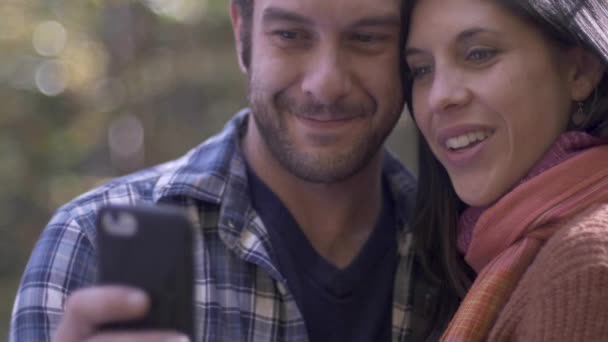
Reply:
x=51, y=78
x=86, y=61
x=126, y=140
x=105, y=95
x=49, y=38
x=188, y=11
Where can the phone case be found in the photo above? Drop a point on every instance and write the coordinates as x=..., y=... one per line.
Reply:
x=149, y=248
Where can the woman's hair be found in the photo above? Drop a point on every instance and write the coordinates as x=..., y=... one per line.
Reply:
x=568, y=23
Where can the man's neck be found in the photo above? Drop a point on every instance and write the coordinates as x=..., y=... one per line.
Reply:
x=337, y=218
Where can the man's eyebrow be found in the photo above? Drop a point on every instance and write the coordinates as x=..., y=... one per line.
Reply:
x=381, y=20
x=279, y=14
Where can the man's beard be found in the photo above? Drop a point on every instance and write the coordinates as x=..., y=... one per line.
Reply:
x=309, y=166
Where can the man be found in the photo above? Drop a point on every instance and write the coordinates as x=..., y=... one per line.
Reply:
x=300, y=211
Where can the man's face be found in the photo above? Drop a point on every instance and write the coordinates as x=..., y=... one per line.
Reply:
x=324, y=82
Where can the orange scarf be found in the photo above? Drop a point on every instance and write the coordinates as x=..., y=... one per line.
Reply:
x=508, y=236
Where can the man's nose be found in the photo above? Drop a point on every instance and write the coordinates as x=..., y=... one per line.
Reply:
x=449, y=90
x=328, y=78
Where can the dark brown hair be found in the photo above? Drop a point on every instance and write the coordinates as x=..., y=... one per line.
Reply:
x=245, y=9
x=569, y=23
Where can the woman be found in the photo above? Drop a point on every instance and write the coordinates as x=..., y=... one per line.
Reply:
x=511, y=98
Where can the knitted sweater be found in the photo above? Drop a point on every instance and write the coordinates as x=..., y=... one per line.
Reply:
x=563, y=296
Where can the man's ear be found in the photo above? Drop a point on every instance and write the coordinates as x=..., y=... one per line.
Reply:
x=587, y=73
x=237, y=27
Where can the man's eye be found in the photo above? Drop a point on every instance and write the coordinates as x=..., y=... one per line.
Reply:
x=291, y=38
x=480, y=55
x=288, y=35
x=367, y=37
x=292, y=35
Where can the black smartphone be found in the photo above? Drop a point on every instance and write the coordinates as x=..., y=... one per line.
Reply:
x=149, y=247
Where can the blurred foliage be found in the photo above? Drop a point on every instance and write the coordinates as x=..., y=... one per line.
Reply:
x=92, y=89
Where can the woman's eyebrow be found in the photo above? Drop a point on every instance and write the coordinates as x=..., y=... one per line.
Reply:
x=461, y=37
x=410, y=51
x=471, y=33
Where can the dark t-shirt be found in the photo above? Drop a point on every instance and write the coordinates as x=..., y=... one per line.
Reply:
x=351, y=304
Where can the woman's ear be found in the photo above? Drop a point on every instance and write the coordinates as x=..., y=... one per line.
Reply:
x=237, y=27
x=587, y=72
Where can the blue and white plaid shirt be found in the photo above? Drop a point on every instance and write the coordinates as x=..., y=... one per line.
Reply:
x=240, y=295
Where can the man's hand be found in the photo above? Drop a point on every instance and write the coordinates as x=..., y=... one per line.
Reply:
x=89, y=308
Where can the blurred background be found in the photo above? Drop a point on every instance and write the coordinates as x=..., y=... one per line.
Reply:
x=93, y=89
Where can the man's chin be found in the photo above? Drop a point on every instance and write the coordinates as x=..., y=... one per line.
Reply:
x=323, y=167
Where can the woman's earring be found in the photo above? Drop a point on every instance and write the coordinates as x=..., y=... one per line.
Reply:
x=578, y=118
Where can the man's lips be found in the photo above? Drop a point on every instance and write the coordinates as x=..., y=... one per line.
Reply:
x=327, y=122
x=327, y=118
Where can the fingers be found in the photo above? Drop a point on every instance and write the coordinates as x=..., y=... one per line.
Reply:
x=158, y=336
x=88, y=308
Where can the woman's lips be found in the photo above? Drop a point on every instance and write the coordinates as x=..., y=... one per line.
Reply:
x=460, y=145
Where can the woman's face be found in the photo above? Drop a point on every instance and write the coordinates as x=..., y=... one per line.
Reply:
x=490, y=92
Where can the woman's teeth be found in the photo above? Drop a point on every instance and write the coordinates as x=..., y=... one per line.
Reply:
x=465, y=140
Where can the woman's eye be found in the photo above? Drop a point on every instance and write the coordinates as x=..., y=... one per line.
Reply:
x=420, y=71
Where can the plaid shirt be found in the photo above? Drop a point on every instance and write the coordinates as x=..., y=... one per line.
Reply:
x=240, y=295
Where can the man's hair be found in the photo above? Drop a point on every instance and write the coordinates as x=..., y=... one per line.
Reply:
x=245, y=12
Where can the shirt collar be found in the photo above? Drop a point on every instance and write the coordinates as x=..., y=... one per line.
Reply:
x=215, y=173
x=402, y=185
x=204, y=172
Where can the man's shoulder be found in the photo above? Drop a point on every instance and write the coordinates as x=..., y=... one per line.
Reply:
x=133, y=189
x=402, y=184
x=399, y=175
x=200, y=174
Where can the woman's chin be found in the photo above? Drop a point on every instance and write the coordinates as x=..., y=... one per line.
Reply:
x=475, y=197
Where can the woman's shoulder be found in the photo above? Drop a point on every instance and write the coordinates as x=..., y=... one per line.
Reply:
x=581, y=239
x=566, y=285
x=579, y=249
x=580, y=244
